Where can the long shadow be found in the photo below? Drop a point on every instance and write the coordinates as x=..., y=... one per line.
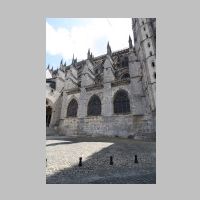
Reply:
x=97, y=169
x=59, y=143
x=75, y=140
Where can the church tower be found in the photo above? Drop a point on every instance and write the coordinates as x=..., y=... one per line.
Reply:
x=144, y=30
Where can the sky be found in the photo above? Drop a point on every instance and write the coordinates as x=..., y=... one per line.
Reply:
x=68, y=36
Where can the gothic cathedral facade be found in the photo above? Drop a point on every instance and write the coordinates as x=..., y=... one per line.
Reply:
x=110, y=95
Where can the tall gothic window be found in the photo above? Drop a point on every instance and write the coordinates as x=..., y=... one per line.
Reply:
x=121, y=102
x=72, y=108
x=125, y=62
x=94, y=106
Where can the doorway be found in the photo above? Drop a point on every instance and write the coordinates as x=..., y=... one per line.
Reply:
x=48, y=115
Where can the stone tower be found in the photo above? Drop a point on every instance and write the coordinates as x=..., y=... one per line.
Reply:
x=144, y=30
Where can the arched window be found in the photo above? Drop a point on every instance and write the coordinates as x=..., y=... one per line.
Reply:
x=125, y=62
x=72, y=108
x=48, y=115
x=94, y=106
x=121, y=102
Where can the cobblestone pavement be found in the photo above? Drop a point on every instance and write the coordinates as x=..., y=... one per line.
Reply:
x=63, y=158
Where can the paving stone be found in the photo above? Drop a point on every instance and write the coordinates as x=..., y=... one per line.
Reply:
x=63, y=158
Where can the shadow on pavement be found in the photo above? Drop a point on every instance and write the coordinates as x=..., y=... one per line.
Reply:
x=97, y=169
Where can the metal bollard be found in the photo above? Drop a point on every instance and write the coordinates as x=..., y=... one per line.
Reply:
x=136, y=160
x=111, y=160
x=80, y=162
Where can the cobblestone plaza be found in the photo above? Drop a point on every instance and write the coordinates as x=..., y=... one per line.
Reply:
x=63, y=161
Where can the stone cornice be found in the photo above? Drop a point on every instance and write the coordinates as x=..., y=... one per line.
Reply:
x=73, y=91
x=94, y=87
x=120, y=82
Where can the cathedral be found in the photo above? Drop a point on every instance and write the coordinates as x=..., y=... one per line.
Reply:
x=110, y=95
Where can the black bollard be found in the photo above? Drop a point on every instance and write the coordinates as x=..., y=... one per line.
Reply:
x=111, y=160
x=80, y=162
x=136, y=160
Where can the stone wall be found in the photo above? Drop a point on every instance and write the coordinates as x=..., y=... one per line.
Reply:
x=125, y=126
x=68, y=126
x=138, y=124
x=104, y=94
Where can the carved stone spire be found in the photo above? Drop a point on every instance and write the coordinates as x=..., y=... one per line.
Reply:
x=88, y=54
x=73, y=59
x=109, y=52
x=91, y=56
x=130, y=42
x=61, y=62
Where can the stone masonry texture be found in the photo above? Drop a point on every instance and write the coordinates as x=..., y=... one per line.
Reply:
x=63, y=160
x=103, y=76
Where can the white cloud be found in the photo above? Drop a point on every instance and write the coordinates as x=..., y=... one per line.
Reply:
x=79, y=39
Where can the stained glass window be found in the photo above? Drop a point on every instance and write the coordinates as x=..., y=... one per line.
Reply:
x=121, y=102
x=72, y=108
x=94, y=106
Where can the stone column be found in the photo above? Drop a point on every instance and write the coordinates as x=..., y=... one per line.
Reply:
x=107, y=107
x=136, y=85
x=82, y=108
x=108, y=76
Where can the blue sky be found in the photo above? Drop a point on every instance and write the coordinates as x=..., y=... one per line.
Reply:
x=68, y=36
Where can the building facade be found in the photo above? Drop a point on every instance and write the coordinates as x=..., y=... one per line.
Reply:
x=110, y=95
